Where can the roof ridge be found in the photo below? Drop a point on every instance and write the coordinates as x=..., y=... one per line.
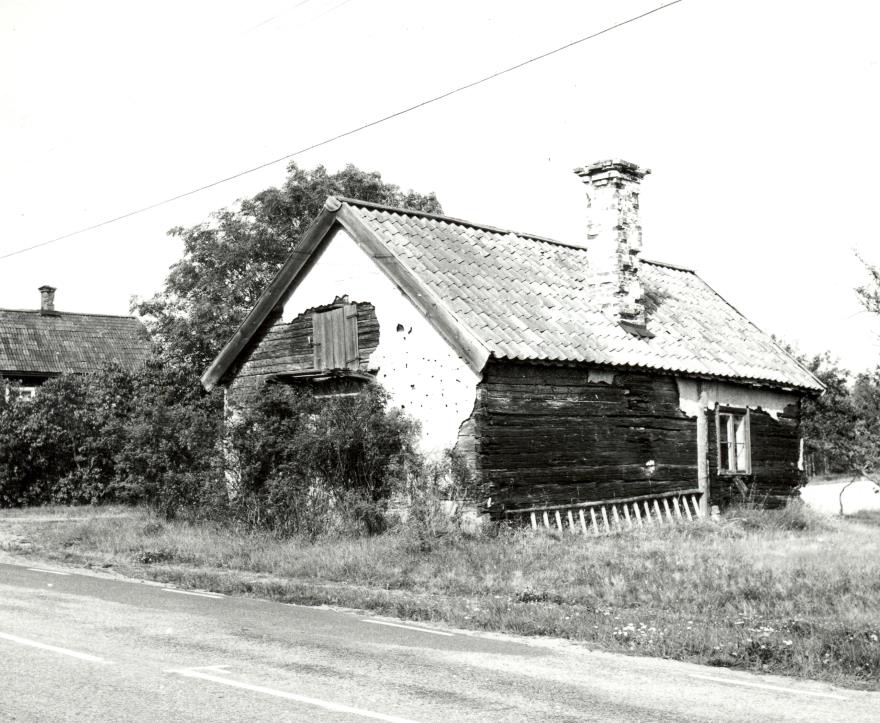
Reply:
x=488, y=227
x=456, y=220
x=669, y=266
x=73, y=313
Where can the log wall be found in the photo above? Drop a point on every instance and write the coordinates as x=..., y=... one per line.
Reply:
x=282, y=348
x=547, y=434
x=775, y=450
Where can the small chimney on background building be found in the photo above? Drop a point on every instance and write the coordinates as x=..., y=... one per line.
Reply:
x=47, y=300
x=614, y=239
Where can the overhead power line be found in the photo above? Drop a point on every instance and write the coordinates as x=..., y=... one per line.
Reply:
x=344, y=134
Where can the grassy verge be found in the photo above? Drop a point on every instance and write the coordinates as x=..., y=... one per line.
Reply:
x=782, y=592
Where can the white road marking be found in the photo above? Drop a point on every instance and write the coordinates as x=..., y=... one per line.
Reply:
x=53, y=648
x=51, y=572
x=215, y=595
x=774, y=688
x=326, y=705
x=408, y=627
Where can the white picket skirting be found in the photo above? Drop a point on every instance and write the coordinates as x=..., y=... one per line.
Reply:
x=604, y=516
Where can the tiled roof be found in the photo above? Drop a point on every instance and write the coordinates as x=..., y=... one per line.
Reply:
x=33, y=343
x=526, y=297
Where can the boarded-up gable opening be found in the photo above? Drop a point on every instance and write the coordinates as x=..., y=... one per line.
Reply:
x=335, y=338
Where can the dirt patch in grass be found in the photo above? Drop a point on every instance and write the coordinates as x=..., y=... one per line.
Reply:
x=783, y=592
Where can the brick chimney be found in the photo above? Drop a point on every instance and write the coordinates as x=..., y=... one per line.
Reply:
x=47, y=301
x=614, y=239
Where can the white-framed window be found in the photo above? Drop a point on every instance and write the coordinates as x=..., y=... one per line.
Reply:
x=20, y=391
x=734, y=448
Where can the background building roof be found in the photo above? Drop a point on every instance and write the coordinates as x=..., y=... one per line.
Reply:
x=46, y=344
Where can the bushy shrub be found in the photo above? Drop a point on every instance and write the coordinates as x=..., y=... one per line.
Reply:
x=433, y=494
x=313, y=465
x=59, y=446
x=169, y=457
x=110, y=436
x=307, y=465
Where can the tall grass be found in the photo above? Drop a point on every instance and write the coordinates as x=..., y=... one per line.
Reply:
x=777, y=591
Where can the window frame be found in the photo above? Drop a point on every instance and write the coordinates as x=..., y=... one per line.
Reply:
x=21, y=392
x=727, y=416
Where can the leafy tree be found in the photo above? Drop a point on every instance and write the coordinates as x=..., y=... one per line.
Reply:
x=828, y=421
x=167, y=455
x=865, y=452
x=861, y=450
x=869, y=294
x=228, y=262
x=111, y=436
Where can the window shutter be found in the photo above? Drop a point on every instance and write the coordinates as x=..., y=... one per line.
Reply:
x=350, y=337
x=334, y=338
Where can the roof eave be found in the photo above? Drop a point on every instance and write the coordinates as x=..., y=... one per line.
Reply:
x=270, y=298
x=335, y=211
x=753, y=381
x=457, y=334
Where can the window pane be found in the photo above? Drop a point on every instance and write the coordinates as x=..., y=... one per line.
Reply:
x=723, y=420
x=725, y=457
x=741, y=458
x=740, y=429
x=733, y=442
x=740, y=435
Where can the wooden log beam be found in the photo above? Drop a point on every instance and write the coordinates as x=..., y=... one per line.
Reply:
x=703, y=451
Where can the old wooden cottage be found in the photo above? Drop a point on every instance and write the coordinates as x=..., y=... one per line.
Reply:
x=36, y=345
x=568, y=374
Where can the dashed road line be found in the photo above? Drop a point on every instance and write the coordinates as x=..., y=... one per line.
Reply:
x=51, y=572
x=307, y=700
x=53, y=648
x=774, y=688
x=409, y=627
x=214, y=595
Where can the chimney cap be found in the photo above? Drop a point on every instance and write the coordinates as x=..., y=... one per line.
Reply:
x=612, y=168
x=46, y=287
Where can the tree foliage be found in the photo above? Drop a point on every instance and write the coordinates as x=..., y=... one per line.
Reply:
x=841, y=428
x=828, y=420
x=865, y=447
x=154, y=436
x=228, y=262
x=869, y=294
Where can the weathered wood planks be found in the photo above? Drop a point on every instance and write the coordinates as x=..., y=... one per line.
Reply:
x=547, y=434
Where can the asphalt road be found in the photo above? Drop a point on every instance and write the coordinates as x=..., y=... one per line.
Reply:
x=78, y=647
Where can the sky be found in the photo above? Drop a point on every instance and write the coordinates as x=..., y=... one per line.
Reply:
x=758, y=119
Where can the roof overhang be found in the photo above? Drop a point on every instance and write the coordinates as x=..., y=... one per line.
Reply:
x=338, y=214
